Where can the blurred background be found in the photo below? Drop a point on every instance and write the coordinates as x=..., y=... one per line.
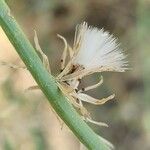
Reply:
x=26, y=119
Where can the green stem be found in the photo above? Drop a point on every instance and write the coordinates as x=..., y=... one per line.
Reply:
x=46, y=82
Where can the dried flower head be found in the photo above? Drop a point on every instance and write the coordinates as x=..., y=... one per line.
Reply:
x=93, y=50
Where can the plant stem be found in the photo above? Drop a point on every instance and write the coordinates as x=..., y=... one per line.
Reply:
x=47, y=82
